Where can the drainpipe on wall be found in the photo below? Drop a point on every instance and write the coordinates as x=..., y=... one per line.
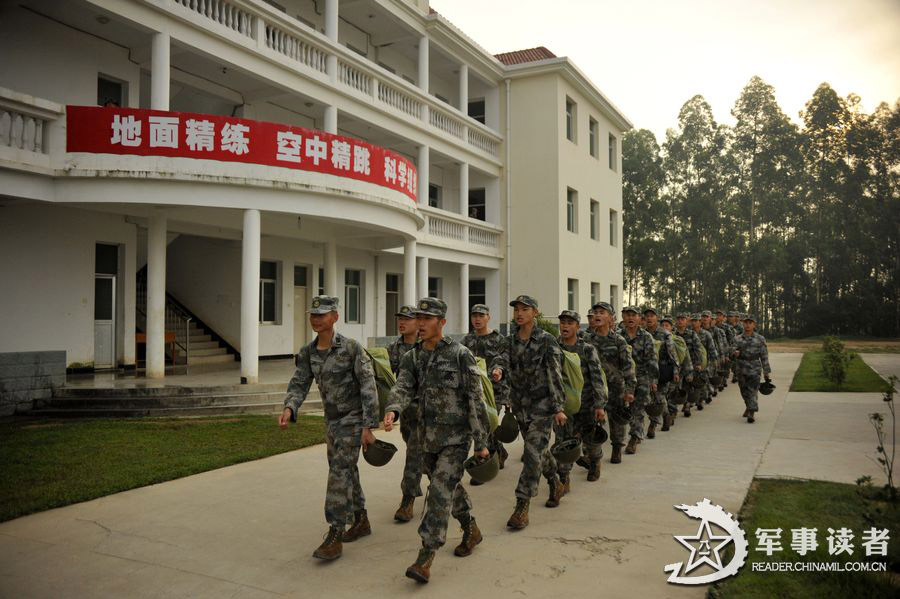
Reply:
x=508, y=213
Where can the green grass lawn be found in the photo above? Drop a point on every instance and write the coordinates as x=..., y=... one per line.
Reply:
x=788, y=504
x=860, y=378
x=51, y=463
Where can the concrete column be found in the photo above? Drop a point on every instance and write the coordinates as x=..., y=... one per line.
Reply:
x=160, y=73
x=422, y=172
x=331, y=114
x=464, y=88
x=331, y=270
x=423, y=276
x=156, y=295
x=331, y=32
x=463, y=298
x=464, y=189
x=409, y=272
x=250, y=254
x=423, y=63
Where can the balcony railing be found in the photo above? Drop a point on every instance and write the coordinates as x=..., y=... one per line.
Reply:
x=447, y=228
x=265, y=30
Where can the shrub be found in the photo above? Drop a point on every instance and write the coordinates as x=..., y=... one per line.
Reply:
x=835, y=360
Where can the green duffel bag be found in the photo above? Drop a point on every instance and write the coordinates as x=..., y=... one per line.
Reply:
x=384, y=376
x=703, y=357
x=573, y=382
x=681, y=350
x=630, y=357
x=487, y=389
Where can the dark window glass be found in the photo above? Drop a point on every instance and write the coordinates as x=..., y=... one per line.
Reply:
x=299, y=276
x=268, y=270
x=103, y=298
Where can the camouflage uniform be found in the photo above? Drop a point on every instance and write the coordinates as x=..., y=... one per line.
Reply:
x=593, y=397
x=728, y=334
x=661, y=397
x=692, y=341
x=644, y=353
x=620, y=381
x=536, y=396
x=442, y=387
x=712, y=355
x=752, y=360
x=346, y=382
x=411, y=483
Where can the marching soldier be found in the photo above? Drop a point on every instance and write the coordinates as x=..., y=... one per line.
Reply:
x=752, y=356
x=644, y=353
x=346, y=380
x=537, y=399
x=410, y=484
x=729, y=346
x=719, y=340
x=668, y=360
x=687, y=375
x=593, y=398
x=738, y=330
x=706, y=339
x=493, y=347
x=692, y=341
x=620, y=377
x=440, y=383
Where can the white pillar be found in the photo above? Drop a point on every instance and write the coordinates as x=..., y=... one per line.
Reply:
x=409, y=272
x=423, y=63
x=250, y=256
x=160, y=72
x=422, y=173
x=331, y=32
x=331, y=270
x=423, y=276
x=464, y=88
x=463, y=298
x=464, y=189
x=156, y=296
x=331, y=114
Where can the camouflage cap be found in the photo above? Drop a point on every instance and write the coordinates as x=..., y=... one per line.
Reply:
x=720, y=311
x=667, y=318
x=323, y=304
x=406, y=312
x=431, y=306
x=749, y=317
x=650, y=309
x=590, y=312
x=682, y=315
x=526, y=300
x=733, y=313
x=706, y=313
x=634, y=309
x=570, y=314
x=695, y=316
x=480, y=309
x=604, y=306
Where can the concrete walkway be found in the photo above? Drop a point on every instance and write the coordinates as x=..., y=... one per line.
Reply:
x=248, y=530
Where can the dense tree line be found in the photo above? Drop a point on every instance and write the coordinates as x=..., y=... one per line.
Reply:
x=799, y=225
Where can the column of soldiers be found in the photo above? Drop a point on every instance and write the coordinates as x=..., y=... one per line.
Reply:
x=439, y=402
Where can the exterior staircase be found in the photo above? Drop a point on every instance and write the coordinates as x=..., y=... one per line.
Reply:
x=203, y=350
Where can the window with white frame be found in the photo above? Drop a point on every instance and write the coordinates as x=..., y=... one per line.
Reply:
x=595, y=293
x=268, y=292
x=614, y=296
x=353, y=296
x=613, y=152
x=572, y=289
x=595, y=219
x=434, y=287
x=594, y=134
x=571, y=119
x=434, y=195
x=571, y=210
x=613, y=228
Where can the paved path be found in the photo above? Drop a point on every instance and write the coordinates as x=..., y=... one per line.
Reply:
x=248, y=530
x=884, y=364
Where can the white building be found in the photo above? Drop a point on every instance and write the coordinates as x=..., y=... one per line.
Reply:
x=252, y=154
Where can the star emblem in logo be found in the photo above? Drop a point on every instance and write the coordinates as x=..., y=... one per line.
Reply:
x=700, y=554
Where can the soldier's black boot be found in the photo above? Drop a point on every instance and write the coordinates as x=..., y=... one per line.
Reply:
x=331, y=548
x=519, y=518
x=667, y=422
x=686, y=411
x=360, y=528
x=651, y=431
x=594, y=472
x=564, y=481
x=700, y=404
x=616, y=457
x=471, y=537
x=631, y=448
x=745, y=414
x=404, y=513
x=750, y=418
x=555, y=493
x=421, y=569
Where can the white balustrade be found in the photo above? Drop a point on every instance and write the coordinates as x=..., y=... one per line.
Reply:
x=390, y=95
x=295, y=48
x=446, y=123
x=355, y=78
x=222, y=12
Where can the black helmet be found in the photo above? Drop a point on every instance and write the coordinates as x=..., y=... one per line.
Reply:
x=767, y=387
x=681, y=394
x=715, y=379
x=594, y=433
x=508, y=429
x=482, y=469
x=379, y=453
x=567, y=450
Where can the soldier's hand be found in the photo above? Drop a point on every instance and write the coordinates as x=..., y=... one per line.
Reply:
x=689, y=378
x=496, y=374
x=285, y=418
x=599, y=414
x=653, y=387
x=677, y=378
x=367, y=437
x=483, y=453
x=768, y=378
x=560, y=418
x=389, y=421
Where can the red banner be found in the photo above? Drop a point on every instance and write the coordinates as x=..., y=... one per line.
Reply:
x=99, y=130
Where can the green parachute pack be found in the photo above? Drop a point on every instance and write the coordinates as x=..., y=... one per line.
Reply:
x=630, y=357
x=680, y=348
x=703, y=357
x=573, y=382
x=487, y=389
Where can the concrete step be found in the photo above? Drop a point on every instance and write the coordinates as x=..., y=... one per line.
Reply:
x=214, y=410
x=216, y=359
x=208, y=351
x=170, y=391
x=163, y=402
x=199, y=338
x=204, y=345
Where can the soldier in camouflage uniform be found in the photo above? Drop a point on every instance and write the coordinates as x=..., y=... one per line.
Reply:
x=494, y=348
x=538, y=399
x=644, y=353
x=737, y=330
x=752, y=355
x=439, y=381
x=666, y=355
x=620, y=377
x=712, y=356
x=729, y=346
x=692, y=341
x=346, y=380
x=687, y=375
x=719, y=339
x=593, y=398
x=410, y=484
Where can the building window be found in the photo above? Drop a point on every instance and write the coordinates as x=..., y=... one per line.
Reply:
x=268, y=292
x=321, y=281
x=571, y=210
x=614, y=296
x=392, y=303
x=476, y=110
x=477, y=292
x=595, y=219
x=111, y=92
x=613, y=228
x=613, y=152
x=476, y=204
x=353, y=289
x=594, y=130
x=571, y=119
x=299, y=276
x=573, y=294
x=434, y=287
x=595, y=293
x=434, y=195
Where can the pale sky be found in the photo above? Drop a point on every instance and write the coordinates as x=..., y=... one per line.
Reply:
x=650, y=56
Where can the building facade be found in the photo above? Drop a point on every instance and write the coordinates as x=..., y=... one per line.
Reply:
x=199, y=169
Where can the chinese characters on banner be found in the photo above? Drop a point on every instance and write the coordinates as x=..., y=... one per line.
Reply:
x=99, y=130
